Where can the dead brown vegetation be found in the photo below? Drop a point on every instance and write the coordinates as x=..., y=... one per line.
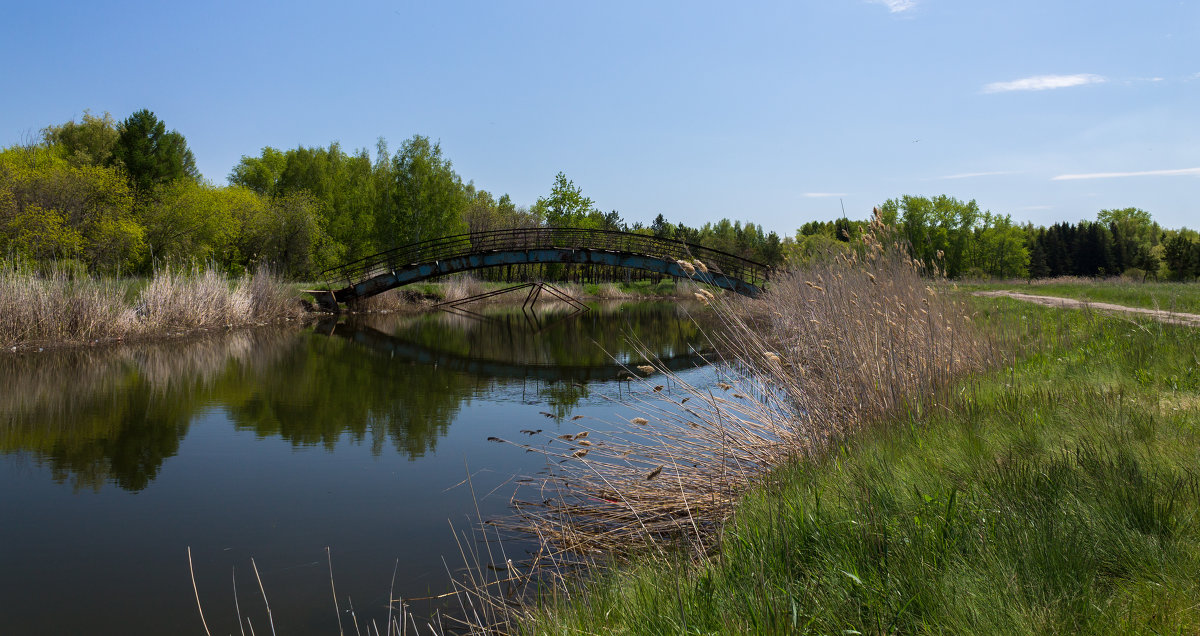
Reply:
x=59, y=306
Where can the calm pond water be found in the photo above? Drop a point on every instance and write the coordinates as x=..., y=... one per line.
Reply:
x=273, y=444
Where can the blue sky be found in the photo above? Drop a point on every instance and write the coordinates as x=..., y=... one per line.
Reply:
x=773, y=112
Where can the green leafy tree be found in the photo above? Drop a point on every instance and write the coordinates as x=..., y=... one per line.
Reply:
x=189, y=221
x=262, y=173
x=566, y=206
x=424, y=197
x=89, y=142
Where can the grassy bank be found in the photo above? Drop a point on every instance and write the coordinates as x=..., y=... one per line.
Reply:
x=1171, y=296
x=59, y=306
x=1058, y=495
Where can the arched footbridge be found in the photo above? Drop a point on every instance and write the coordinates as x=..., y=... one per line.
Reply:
x=479, y=250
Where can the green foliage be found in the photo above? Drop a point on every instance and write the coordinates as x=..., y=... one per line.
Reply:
x=938, y=230
x=149, y=154
x=260, y=174
x=566, y=206
x=1056, y=496
x=53, y=208
x=1181, y=254
x=998, y=247
x=424, y=198
x=89, y=142
x=188, y=221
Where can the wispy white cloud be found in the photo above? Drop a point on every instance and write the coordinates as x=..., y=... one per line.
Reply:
x=970, y=175
x=818, y=195
x=1140, y=173
x=897, y=6
x=1044, y=82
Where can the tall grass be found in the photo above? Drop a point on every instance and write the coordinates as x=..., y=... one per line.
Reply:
x=58, y=305
x=61, y=306
x=1058, y=495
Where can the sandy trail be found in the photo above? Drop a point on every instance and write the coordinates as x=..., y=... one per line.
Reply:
x=1170, y=317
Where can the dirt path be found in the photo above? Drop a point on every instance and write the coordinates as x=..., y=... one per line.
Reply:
x=1170, y=317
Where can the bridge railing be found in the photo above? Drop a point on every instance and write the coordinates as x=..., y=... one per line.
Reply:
x=542, y=238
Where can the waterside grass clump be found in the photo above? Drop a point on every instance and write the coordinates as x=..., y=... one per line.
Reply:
x=1058, y=495
x=60, y=306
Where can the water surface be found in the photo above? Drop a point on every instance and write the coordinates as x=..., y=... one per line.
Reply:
x=274, y=444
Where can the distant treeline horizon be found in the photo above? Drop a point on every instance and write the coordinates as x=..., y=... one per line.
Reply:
x=124, y=198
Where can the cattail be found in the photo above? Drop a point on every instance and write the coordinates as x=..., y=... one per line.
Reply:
x=581, y=435
x=724, y=387
x=580, y=453
x=702, y=298
x=686, y=267
x=577, y=417
x=654, y=473
x=701, y=266
x=658, y=388
x=771, y=356
x=640, y=421
x=645, y=368
x=584, y=442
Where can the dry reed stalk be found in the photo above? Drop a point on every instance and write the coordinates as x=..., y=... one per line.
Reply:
x=61, y=306
x=57, y=305
x=463, y=286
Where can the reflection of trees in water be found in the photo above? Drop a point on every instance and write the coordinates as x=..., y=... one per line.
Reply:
x=327, y=388
x=95, y=416
x=114, y=415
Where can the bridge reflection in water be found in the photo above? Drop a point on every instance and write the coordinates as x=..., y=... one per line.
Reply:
x=505, y=344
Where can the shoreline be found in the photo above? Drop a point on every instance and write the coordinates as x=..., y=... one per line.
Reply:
x=303, y=316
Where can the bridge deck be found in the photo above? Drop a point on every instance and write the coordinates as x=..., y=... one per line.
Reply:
x=410, y=263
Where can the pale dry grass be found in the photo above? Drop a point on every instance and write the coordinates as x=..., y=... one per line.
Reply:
x=58, y=306
x=463, y=286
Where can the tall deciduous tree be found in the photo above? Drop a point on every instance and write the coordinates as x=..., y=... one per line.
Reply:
x=566, y=206
x=425, y=198
x=89, y=142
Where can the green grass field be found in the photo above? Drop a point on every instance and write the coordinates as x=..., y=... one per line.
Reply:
x=1182, y=297
x=1058, y=495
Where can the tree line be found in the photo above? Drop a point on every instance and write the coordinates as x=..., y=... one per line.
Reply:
x=124, y=197
x=955, y=238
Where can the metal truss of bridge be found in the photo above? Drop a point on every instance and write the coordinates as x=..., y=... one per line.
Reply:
x=478, y=250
